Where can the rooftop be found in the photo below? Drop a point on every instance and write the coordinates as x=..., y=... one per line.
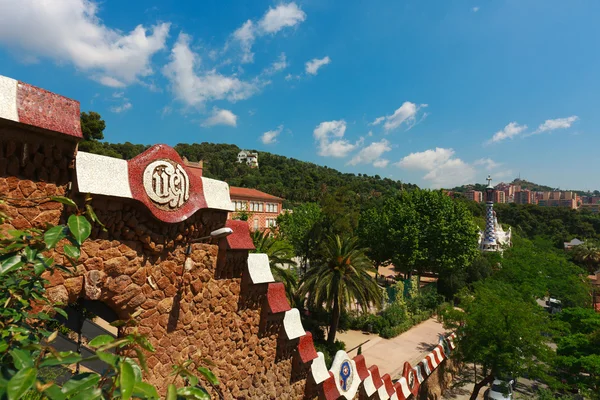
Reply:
x=246, y=193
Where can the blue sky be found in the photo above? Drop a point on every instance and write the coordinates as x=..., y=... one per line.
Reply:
x=437, y=93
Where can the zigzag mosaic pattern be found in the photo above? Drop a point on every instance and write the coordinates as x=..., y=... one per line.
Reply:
x=347, y=376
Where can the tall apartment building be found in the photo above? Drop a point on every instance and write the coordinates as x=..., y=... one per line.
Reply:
x=559, y=199
x=499, y=197
x=474, y=195
x=263, y=208
x=524, y=197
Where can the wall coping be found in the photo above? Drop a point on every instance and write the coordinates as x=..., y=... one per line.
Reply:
x=34, y=106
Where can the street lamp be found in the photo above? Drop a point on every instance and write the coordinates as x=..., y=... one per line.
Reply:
x=216, y=234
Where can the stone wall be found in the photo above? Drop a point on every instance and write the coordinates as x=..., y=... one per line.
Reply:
x=137, y=263
x=439, y=381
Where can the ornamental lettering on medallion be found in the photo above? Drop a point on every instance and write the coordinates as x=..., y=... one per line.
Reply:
x=166, y=184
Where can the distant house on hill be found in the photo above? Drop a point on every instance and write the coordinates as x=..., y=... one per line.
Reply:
x=251, y=159
x=261, y=208
x=572, y=243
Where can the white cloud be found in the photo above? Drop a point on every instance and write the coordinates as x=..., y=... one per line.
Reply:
x=195, y=87
x=487, y=163
x=426, y=160
x=221, y=117
x=381, y=163
x=475, y=9
x=279, y=65
x=443, y=170
x=118, y=95
x=69, y=31
x=325, y=134
x=245, y=36
x=123, y=107
x=274, y=20
x=372, y=154
x=454, y=172
x=109, y=81
x=330, y=128
x=270, y=137
x=559, y=123
x=377, y=121
x=511, y=130
x=336, y=148
x=406, y=114
x=284, y=15
x=312, y=66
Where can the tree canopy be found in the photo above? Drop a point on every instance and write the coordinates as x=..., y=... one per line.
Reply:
x=500, y=330
x=421, y=230
x=341, y=280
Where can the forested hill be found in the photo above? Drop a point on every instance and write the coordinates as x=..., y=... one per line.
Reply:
x=294, y=180
x=525, y=185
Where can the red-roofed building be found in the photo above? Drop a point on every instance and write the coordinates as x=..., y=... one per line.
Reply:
x=595, y=280
x=263, y=208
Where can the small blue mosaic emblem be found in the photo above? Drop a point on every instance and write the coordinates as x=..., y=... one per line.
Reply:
x=345, y=375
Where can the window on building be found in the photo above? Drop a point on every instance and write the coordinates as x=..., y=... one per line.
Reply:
x=271, y=207
x=255, y=223
x=271, y=222
x=260, y=207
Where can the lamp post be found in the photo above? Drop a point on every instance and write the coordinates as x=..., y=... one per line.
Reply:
x=216, y=234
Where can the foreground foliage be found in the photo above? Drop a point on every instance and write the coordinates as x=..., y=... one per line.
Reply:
x=27, y=356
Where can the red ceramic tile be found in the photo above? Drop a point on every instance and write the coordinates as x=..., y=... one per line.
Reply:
x=306, y=348
x=374, y=370
x=411, y=378
x=44, y=109
x=277, y=299
x=330, y=390
x=240, y=238
x=389, y=386
x=399, y=392
x=361, y=367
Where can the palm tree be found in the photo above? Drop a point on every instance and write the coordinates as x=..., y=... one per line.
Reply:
x=343, y=279
x=280, y=253
x=587, y=253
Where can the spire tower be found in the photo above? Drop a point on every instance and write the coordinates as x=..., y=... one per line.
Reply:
x=489, y=242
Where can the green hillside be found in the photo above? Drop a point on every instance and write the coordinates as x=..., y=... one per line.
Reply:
x=525, y=185
x=294, y=180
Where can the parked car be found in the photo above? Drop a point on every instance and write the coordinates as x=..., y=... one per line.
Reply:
x=501, y=390
x=554, y=305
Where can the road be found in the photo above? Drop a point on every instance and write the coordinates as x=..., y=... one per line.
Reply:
x=390, y=354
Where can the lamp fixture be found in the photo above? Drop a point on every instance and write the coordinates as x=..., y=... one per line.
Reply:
x=216, y=234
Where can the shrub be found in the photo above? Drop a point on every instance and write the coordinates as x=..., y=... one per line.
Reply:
x=329, y=350
x=395, y=314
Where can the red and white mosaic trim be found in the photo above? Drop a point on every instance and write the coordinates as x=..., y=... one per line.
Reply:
x=27, y=104
x=158, y=178
x=347, y=376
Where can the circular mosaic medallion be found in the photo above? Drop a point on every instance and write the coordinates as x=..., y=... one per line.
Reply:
x=345, y=375
x=166, y=184
x=411, y=379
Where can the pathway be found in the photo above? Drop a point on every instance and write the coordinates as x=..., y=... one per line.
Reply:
x=390, y=354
